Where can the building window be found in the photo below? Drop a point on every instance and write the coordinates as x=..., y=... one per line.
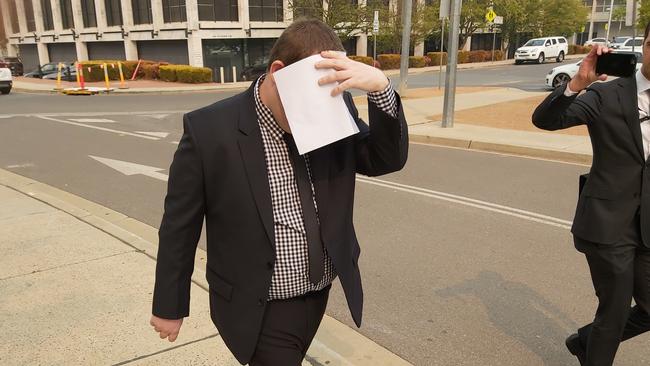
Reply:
x=13, y=17
x=174, y=11
x=29, y=14
x=67, y=21
x=88, y=13
x=218, y=10
x=113, y=12
x=142, y=11
x=266, y=10
x=46, y=7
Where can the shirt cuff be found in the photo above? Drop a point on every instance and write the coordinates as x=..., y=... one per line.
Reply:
x=568, y=92
x=385, y=100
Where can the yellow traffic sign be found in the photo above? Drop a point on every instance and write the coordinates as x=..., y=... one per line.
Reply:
x=490, y=16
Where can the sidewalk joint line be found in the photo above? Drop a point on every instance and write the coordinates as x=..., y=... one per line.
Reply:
x=66, y=265
x=165, y=350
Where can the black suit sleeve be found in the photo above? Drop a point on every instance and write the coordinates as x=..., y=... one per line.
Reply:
x=558, y=111
x=180, y=230
x=382, y=147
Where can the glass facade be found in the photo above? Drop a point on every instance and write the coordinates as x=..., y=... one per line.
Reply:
x=67, y=20
x=113, y=12
x=48, y=23
x=249, y=56
x=218, y=10
x=29, y=14
x=88, y=13
x=142, y=11
x=266, y=10
x=174, y=11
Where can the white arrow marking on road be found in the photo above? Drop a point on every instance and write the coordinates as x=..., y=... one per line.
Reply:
x=92, y=120
x=162, y=135
x=127, y=168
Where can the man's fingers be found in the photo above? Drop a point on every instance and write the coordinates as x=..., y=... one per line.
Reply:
x=164, y=335
x=173, y=336
x=342, y=87
x=602, y=77
x=330, y=64
x=333, y=54
x=333, y=77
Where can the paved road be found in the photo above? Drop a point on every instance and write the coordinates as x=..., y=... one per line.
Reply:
x=467, y=257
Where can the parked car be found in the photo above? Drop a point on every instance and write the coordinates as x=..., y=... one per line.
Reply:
x=562, y=74
x=540, y=49
x=617, y=42
x=595, y=41
x=636, y=43
x=6, y=80
x=68, y=73
x=14, y=64
x=49, y=68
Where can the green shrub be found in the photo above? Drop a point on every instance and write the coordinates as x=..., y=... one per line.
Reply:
x=478, y=56
x=185, y=74
x=389, y=61
x=168, y=73
x=575, y=49
x=417, y=61
x=363, y=59
x=435, y=58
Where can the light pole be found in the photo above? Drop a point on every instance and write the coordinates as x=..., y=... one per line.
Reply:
x=609, y=22
x=450, y=89
x=406, y=43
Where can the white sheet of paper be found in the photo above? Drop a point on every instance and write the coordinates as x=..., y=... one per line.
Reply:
x=316, y=118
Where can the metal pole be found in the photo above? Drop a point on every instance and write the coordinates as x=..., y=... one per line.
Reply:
x=609, y=22
x=374, y=50
x=442, y=49
x=494, y=41
x=406, y=43
x=450, y=84
x=634, y=21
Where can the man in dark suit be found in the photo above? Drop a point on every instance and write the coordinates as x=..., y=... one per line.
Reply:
x=612, y=221
x=279, y=225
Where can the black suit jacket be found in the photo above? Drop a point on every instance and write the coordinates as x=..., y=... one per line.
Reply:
x=619, y=181
x=219, y=172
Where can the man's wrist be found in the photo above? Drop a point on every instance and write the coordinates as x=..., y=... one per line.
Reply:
x=576, y=86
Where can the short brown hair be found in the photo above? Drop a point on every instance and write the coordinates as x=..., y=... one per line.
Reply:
x=303, y=38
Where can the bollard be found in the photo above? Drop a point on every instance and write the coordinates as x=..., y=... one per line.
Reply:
x=122, y=82
x=80, y=72
x=135, y=72
x=58, y=77
x=234, y=74
x=108, y=84
x=76, y=67
x=221, y=74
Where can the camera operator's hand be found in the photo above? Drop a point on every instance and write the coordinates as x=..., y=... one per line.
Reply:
x=587, y=73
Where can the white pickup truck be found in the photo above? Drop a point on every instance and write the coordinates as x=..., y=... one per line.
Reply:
x=6, y=81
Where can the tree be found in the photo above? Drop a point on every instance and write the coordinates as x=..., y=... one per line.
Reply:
x=618, y=15
x=344, y=16
x=562, y=17
x=644, y=14
x=424, y=21
x=472, y=18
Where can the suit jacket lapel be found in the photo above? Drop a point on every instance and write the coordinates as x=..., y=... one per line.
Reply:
x=252, y=152
x=319, y=163
x=628, y=100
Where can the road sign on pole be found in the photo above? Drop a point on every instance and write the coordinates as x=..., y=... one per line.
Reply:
x=445, y=9
x=375, y=23
x=490, y=16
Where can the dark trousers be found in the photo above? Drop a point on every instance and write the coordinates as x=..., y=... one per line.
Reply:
x=288, y=329
x=619, y=273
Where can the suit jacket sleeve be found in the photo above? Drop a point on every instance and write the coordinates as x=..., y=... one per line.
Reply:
x=382, y=147
x=558, y=111
x=180, y=230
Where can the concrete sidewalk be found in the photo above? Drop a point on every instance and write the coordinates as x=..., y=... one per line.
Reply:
x=76, y=281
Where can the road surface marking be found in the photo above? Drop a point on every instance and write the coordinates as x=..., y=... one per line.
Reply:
x=466, y=201
x=97, y=128
x=156, y=116
x=92, y=120
x=128, y=168
x=15, y=166
x=161, y=135
x=90, y=114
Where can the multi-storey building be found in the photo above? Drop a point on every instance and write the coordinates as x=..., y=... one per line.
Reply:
x=210, y=33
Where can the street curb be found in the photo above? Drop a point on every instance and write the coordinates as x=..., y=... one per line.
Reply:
x=335, y=344
x=547, y=154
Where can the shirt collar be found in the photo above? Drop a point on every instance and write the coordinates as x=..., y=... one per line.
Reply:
x=265, y=115
x=642, y=83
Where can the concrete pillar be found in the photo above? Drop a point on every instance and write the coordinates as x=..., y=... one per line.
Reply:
x=362, y=45
x=57, y=17
x=195, y=50
x=157, y=14
x=418, y=50
x=244, y=14
x=192, y=11
x=100, y=12
x=22, y=17
x=130, y=49
x=77, y=16
x=43, y=53
x=38, y=16
x=4, y=9
x=288, y=13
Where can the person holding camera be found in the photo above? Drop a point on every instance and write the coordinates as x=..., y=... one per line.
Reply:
x=612, y=220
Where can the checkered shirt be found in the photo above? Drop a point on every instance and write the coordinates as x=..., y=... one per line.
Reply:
x=291, y=272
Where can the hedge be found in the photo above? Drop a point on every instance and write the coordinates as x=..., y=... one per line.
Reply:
x=417, y=61
x=389, y=61
x=185, y=74
x=435, y=58
x=96, y=72
x=363, y=59
x=575, y=49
